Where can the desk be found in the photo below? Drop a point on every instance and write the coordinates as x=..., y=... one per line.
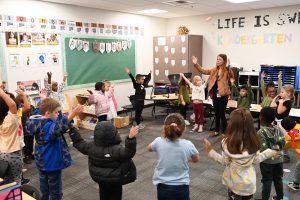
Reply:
x=162, y=98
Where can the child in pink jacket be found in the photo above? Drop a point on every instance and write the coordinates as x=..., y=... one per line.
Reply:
x=100, y=98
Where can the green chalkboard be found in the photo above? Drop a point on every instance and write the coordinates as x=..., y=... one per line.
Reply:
x=90, y=67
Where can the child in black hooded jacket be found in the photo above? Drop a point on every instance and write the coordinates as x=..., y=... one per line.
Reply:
x=110, y=163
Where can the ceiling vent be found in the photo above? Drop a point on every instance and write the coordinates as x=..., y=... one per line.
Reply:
x=178, y=3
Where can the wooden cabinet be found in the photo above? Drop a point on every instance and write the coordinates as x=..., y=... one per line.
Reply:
x=172, y=55
x=87, y=119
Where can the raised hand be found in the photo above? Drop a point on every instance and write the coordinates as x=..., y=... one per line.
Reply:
x=133, y=132
x=280, y=75
x=194, y=60
x=65, y=76
x=127, y=70
x=207, y=145
x=78, y=109
x=232, y=80
x=20, y=92
x=263, y=75
x=89, y=91
x=181, y=74
x=43, y=93
x=49, y=74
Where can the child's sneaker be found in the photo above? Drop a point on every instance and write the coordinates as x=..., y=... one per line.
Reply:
x=286, y=159
x=200, y=130
x=187, y=123
x=293, y=186
x=195, y=127
x=141, y=126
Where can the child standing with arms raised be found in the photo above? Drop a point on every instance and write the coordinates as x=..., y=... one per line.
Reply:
x=244, y=96
x=184, y=99
x=271, y=169
x=171, y=174
x=198, y=96
x=269, y=92
x=139, y=84
x=240, y=150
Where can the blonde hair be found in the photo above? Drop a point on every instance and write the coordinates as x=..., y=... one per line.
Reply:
x=289, y=89
x=196, y=79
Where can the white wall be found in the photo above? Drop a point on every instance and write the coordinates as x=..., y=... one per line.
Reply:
x=249, y=56
x=144, y=52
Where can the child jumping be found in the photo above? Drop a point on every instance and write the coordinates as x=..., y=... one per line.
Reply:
x=240, y=150
x=51, y=149
x=271, y=169
x=110, y=164
x=139, y=84
x=198, y=96
x=171, y=174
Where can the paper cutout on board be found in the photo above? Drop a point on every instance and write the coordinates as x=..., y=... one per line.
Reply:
x=166, y=73
x=41, y=57
x=119, y=46
x=38, y=38
x=86, y=46
x=14, y=60
x=25, y=40
x=79, y=45
x=72, y=44
x=166, y=60
x=102, y=47
x=183, y=50
x=96, y=47
x=28, y=60
x=172, y=50
x=172, y=39
x=166, y=49
x=30, y=86
x=52, y=39
x=11, y=39
x=156, y=49
x=182, y=38
x=157, y=72
x=183, y=62
x=124, y=45
x=54, y=57
x=161, y=41
x=156, y=60
x=173, y=63
x=108, y=47
x=129, y=44
x=113, y=47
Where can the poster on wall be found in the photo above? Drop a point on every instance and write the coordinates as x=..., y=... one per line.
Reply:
x=14, y=60
x=41, y=59
x=38, y=38
x=54, y=58
x=11, y=39
x=30, y=86
x=25, y=39
x=28, y=60
x=52, y=39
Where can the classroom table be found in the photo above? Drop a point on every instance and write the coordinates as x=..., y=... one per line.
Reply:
x=168, y=98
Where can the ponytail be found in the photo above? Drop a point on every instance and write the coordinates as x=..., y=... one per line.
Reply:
x=173, y=126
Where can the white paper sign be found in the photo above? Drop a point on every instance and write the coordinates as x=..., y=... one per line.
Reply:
x=161, y=41
x=172, y=39
x=156, y=60
x=166, y=60
x=183, y=62
x=173, y=63
x=183, y=50
x=172, y=50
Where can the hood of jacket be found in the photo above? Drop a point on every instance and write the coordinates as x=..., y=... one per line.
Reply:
x=244, y=159
x=106, y=134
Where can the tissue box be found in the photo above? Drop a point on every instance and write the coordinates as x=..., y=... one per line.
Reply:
x=120, y=122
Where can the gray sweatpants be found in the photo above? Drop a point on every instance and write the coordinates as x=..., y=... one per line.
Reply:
x=15, y=162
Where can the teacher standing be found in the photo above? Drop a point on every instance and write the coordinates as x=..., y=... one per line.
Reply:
x=218, y=86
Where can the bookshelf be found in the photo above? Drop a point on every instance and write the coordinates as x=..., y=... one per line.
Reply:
x=88, y=118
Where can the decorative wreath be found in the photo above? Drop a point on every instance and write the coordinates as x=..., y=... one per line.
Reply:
x=182, y=30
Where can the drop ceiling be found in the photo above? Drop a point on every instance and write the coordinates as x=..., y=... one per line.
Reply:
x=193, y=7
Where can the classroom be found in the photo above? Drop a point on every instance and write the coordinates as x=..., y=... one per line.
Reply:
x=145, y=70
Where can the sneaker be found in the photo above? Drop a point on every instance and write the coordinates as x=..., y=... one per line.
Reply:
x=27, y=160
x=25, y=181
x=141, y=126
x=195, y=127
x=286, y=159
x=200, y=130
x=293, y=186
x=187, y=123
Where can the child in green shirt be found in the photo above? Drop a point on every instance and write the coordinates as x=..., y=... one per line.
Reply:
x=244, y=96
x=269, y=92
x=184, y=99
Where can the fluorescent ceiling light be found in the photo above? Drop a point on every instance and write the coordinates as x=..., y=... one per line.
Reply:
x=241, y=1
x=152, y=11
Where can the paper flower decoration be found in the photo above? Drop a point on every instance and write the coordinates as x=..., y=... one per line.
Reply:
x=182, y=30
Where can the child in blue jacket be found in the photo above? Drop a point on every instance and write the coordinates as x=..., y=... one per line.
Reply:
x=51, y=150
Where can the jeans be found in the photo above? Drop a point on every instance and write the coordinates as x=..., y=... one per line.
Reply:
x=173, y=192
x=271, y=173
x=110, y=191
x=220, y=104
x=51, y=185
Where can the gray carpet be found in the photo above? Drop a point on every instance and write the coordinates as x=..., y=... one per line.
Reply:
x=205, y=176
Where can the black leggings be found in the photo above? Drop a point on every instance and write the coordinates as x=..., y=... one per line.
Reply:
x=220, y=104
x=138, y=108
x=184, y=109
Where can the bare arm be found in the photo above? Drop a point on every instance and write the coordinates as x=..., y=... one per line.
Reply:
x=199, y=68
x=186, y=80
x=26, y=102
x=9, y=102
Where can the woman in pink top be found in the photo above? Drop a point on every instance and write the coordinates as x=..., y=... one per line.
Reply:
x=10, y=147
x=100, y=98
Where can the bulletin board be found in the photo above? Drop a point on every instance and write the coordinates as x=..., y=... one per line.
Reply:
x=92, y=66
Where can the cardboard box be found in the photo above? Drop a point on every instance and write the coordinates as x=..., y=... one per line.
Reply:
x=120, y=122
